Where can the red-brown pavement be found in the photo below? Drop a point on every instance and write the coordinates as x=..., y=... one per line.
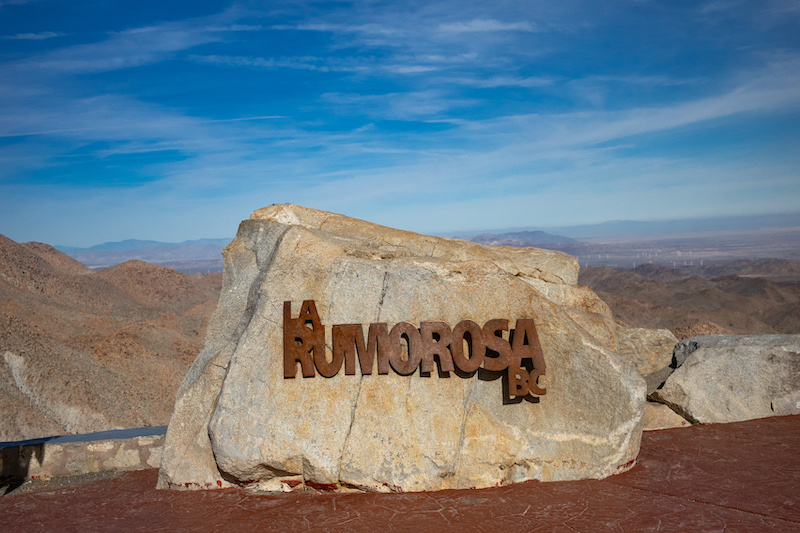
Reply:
x=743, y=476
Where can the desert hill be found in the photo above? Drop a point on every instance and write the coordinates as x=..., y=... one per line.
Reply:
x=777, y=270
x=740, y=300
x=86, y=350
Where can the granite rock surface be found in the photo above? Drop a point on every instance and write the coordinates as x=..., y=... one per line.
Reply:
x=238, y=420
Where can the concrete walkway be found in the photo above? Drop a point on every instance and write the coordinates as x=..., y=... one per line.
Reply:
x=729, y=477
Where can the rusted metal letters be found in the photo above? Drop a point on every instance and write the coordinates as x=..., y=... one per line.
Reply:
x=465, y=348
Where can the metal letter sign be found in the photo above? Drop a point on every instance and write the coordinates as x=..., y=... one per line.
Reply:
x=466, y=348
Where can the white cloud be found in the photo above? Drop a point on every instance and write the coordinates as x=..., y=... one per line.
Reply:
x=321, y=64
x=784, y=7
x=236, y=27
x=370, y=28
x=764, y=90
x=34, y=36
x=720, y=5
x=242, y=119
x=299, y=63
x=427, y=105
x=408, y=69
x=664, y=81
x=130, y=48
x=484, y=25
x=506, y=81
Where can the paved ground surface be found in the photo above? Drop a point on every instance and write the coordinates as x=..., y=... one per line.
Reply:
x=727, y=477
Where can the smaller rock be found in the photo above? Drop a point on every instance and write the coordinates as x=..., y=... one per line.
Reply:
x=660, y=416
x=271, y=485
x=729, y=378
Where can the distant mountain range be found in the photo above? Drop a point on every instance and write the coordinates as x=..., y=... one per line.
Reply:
x=202, y=255
x=616, y=243
x=640, y=230
x=136, y=244
x=519, y=239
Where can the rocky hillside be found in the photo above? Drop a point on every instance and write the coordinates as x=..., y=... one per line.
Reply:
x=777, y=270
x=743, y=300
x=86, y=350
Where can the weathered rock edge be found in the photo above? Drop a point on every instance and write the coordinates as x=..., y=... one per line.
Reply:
x=235, y=421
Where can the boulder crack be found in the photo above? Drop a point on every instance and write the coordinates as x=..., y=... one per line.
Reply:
x=384, y=289
x=466, y=407
x=350, y=428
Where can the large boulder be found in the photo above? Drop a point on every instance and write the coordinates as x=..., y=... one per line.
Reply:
x=729, y=378
x=239, y=420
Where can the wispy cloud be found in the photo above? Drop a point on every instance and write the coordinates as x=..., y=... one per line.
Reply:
x=769, y=7
x=367, y=66
x=719, y=5
x=133, y=47
x=641, y=80
x=768, y=89
x=242, y=119
x=485, y=25
x=236, y=27
x=300, y=63
x=506, y=81
x=374, y=29
x=784, y=7
x=409, y=69
x=34, y=36
x=418, y=105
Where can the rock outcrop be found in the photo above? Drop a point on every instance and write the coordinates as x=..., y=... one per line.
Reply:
x=238, y=420
x=729, y=378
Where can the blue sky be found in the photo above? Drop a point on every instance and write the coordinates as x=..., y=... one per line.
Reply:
x=175, y=120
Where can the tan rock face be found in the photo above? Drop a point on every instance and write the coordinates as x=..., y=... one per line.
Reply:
x=238, y=420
